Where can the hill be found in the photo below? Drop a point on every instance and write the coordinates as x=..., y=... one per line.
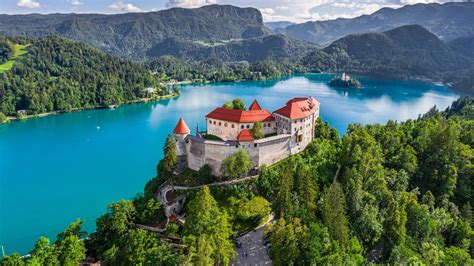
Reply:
x=404, y=53
x=448, y=21
x=464, y=45
x=56, y=74
x=276, y=47
x=137, y=35
x=401, y=52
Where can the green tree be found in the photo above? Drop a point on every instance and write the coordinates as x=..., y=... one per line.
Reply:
x=12, y=260
x=306, y=190
x=257, y=130
x=283, y=203
x=42, y=252
x=238, y=104
x=394, y=226
x=205, y=218
x=228, y=105
x=334, y=214
x=68, y=247
x=236, y=165
x=170, y=159
x=3, y=117
x=288, y=241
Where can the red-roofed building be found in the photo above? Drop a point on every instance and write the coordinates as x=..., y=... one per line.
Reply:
x=245, y=135
x=297, y=108
x=288, y=130
x=298, y=118
x=228, y=123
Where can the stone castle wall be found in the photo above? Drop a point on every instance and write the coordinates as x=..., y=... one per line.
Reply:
x=262, y=152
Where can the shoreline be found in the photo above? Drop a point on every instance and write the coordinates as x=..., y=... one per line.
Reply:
x=142, y=100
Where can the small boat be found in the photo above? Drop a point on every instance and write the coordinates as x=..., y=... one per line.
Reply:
x=112, y=106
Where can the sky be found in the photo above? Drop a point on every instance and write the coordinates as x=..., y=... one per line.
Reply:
x=272, y=10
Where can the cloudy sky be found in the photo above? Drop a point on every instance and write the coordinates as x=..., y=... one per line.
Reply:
x=272, y=10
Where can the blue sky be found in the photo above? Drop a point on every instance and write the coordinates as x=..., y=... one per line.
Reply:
x=272, y=10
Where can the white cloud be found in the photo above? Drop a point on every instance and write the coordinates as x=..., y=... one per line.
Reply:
x=75, y=2
x=305, y=10
x=28, y=3
x=189, y=3
x=124, y=7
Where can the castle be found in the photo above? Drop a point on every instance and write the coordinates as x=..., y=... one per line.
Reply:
x=287, y=131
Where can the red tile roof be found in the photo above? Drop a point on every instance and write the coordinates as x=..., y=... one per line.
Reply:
x=239, y=116
x=181, y=127
x=255, y=106
x=245, y=135
x=297, y=108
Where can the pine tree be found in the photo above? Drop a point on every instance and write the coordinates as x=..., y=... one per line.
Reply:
x=334, y=214
x=170, y=159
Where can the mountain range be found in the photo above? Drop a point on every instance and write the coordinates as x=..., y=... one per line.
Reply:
x=448, y=21
x=222, y=30
x=440, y=47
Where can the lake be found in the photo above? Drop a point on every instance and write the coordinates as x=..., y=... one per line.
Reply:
x=59, y=168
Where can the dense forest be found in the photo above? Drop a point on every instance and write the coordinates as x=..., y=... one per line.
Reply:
x=217, y=70
x=57, y=74
x=395, y=193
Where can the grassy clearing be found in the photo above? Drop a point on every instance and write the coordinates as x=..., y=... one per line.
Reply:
x=19, y=50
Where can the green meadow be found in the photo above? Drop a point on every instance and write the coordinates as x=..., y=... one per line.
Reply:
x=19, y=51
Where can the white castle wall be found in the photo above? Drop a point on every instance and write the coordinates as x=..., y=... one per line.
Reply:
x=262, y=152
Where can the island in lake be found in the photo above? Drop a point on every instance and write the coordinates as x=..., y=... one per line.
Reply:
x=345, y=81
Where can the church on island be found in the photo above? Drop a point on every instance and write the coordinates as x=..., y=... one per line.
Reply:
x=286, y=131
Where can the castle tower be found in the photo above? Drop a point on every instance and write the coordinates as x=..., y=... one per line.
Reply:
x=181, y=130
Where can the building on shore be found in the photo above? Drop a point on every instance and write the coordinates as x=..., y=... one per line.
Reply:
x=287, y=130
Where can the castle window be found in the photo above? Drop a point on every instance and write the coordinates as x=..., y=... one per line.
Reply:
x=233, y=125
x=225, y=124
x=242, y=126
x=210, y=122
x=219, y=123
x=248, y=126
x=214, y=122
x=255, y=144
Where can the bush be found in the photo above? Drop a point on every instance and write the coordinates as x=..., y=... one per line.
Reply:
x=3, y=117
x=236, y=165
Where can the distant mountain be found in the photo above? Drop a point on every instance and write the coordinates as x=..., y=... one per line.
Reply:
x=405, y=52
x=278, y=24
x=464, y=45
x=132, y=35
x=448, y=21
x=277, y=47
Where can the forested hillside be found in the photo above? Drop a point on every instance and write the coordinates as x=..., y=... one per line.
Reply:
x=407, y=51
x=448, y=21
x=132, y=35
x=400, y=193
x=56, y=74
x=269, y=47
x=403, y=194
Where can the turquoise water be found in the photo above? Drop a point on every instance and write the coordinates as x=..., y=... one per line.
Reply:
x=56, y=169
